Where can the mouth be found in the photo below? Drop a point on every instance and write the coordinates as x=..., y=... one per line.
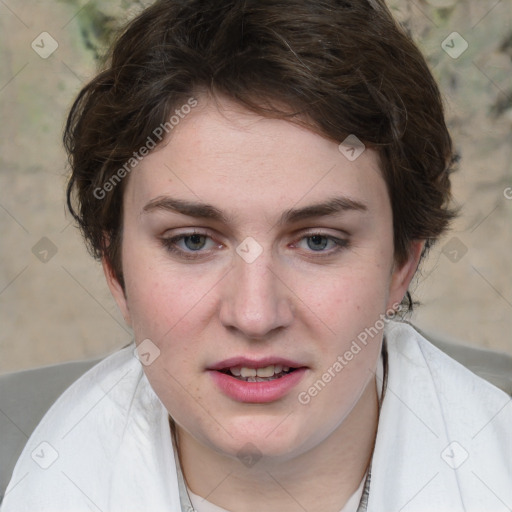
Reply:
x=261, y=374
x=260, y=381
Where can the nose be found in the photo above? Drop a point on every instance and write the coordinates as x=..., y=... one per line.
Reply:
x=256, y=302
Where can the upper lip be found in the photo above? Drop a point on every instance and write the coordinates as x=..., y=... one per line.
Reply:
x=245, y=362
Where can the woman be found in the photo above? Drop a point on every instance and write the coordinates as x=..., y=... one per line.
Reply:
x=260, y=180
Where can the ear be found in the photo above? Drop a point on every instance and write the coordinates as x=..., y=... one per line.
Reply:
x=116, y=290
x=403, y=274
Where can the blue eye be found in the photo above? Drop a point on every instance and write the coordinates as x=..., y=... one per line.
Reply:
x=319, y=243
x=189, y=245
x=199, y=245
x=194, y=242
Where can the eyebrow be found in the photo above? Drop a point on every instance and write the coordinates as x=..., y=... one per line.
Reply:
x=330, y=207
x=189, y=208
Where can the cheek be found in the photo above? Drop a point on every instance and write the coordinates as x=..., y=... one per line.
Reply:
x=345, y=309
x=163, y=298
x=172, y=308
x=358, y=288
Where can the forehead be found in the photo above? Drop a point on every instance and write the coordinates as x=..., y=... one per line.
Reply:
x=250, y=165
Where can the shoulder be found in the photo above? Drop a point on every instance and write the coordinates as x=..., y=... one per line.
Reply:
x=446, y=430
x=451, y=386
x=76, y=441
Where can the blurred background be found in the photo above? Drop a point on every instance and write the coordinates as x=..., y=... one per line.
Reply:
x=54, y=303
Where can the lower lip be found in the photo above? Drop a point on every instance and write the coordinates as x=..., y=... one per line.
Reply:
x=257, y=392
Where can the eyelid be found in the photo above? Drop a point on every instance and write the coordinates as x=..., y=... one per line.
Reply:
x=341, y=243
x=324, y=232
x=169, y=243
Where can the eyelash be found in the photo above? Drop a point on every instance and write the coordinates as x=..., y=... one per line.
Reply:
x=170, y=245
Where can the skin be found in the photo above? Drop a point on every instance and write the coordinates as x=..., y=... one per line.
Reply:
x=303, y=298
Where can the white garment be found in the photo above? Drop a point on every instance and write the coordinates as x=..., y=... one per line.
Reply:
x=444, y=441
x=202, y=505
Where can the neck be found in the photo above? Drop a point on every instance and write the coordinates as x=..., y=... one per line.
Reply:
x=322, y=479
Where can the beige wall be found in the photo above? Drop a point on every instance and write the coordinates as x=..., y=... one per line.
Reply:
x=61, y=310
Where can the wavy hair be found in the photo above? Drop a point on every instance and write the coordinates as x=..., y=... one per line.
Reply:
x=336, y=67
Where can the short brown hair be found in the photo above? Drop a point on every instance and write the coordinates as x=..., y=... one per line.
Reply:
x=337, y=67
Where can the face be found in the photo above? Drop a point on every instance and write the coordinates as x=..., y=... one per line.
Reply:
x=251, y=245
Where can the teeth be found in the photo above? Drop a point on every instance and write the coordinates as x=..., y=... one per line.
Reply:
x=268, y=371
x=248, y=372
x=251, y=373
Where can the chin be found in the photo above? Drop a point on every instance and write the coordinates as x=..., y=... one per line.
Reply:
x=262, y=437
